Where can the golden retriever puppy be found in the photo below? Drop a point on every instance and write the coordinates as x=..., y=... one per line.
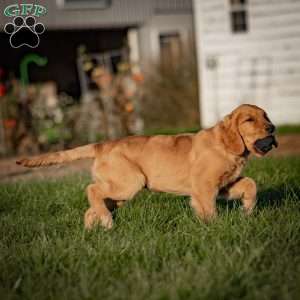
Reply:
x=201, y=165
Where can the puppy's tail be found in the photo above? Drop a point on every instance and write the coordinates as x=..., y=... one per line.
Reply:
x=88, y=151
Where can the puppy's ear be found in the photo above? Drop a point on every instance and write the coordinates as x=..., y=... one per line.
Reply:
x=231, y=136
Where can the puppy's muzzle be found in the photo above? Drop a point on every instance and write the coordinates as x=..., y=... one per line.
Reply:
x=264, y=145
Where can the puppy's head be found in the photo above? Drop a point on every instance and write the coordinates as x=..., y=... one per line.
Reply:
x=248, y=128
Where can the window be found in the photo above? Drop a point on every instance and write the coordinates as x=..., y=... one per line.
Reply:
x=239, y=16
x=84, y=4
x=170, y=47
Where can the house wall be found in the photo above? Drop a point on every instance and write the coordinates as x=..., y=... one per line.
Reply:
x=120, y=14
x=163, y=24
x=150, y=17
x=98, y=29
x=261, y=66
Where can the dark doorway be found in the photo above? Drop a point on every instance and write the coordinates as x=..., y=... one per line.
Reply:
x=60, y=48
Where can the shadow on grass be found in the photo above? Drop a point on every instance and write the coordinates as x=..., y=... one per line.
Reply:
x=277, y=196
x=270, y=197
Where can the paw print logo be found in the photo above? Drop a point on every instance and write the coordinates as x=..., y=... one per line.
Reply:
x=24, y=32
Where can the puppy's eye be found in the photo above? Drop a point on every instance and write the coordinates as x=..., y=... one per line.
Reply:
x=250, y=119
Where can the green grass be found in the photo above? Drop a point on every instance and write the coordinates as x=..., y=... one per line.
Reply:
x=288, y=129
x=157, y=249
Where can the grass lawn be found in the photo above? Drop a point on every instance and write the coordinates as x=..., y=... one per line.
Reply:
x=157, y=249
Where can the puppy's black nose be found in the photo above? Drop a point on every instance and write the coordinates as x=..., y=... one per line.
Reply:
x=270, y=128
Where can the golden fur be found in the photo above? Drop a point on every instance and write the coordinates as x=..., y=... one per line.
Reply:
x=201, y=165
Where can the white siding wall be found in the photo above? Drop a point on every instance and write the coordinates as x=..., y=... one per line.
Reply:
x=261, y=66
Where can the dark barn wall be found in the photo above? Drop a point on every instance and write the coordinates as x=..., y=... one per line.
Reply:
x=60, y=48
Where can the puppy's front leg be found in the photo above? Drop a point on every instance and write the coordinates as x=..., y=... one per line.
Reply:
x=244, y=188
x=204, y=201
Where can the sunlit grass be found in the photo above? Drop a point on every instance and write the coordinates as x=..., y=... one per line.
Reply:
x=157, y=249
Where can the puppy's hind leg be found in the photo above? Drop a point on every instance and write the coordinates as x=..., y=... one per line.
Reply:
x=112, y=190
x=98, y=213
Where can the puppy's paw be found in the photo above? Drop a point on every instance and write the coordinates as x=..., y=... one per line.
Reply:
x=208, y=219
x=107, y=221
x=92, y=219
x=248, y=211
x=89, y=219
